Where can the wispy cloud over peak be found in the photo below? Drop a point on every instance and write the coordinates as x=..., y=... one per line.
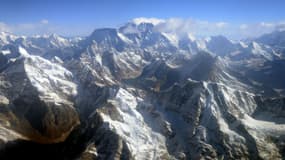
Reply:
x=205, y=28
x=153, y=21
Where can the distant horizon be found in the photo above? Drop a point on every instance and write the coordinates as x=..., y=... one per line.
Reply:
x=178, y=26
x=236, y=19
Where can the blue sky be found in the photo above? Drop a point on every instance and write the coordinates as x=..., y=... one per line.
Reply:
x=79, y=17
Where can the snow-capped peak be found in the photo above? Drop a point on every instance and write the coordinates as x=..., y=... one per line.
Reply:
x=6, y=37
x=191, y=37
x=46, y=77
x=58, y=41
x=54, y=39
x=23, y=52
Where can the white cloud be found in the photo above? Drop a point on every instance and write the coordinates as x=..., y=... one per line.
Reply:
x=44, y=26
x=264, y=24
x=154, y=21
x=196, y=27
x=206, y=28
x=44, y=21
x=40, y=27
x=243, y=26
x=280, y=26
x=4, y=27
x=221, y=24
x=130, y=29
x=257, y=29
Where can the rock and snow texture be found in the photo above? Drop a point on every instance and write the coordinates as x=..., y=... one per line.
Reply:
x=40, y=96
x=143, y=94
x=51, y=80
x=142, y=141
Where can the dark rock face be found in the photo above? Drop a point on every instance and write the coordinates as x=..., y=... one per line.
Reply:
x=31, y=150
x=108, y=38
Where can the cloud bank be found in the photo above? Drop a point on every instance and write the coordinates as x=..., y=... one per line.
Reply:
x=41, y=27
x=44, y=26
x=206, y=28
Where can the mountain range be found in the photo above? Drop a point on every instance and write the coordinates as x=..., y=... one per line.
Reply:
x=136, y=93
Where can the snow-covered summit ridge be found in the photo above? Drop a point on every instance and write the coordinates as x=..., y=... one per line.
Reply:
x=52, y=81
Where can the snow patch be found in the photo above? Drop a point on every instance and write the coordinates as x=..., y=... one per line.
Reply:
x=124, y=38
x=23, y=52
x=6, y=52
x=172, y=38
x=98, y=58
